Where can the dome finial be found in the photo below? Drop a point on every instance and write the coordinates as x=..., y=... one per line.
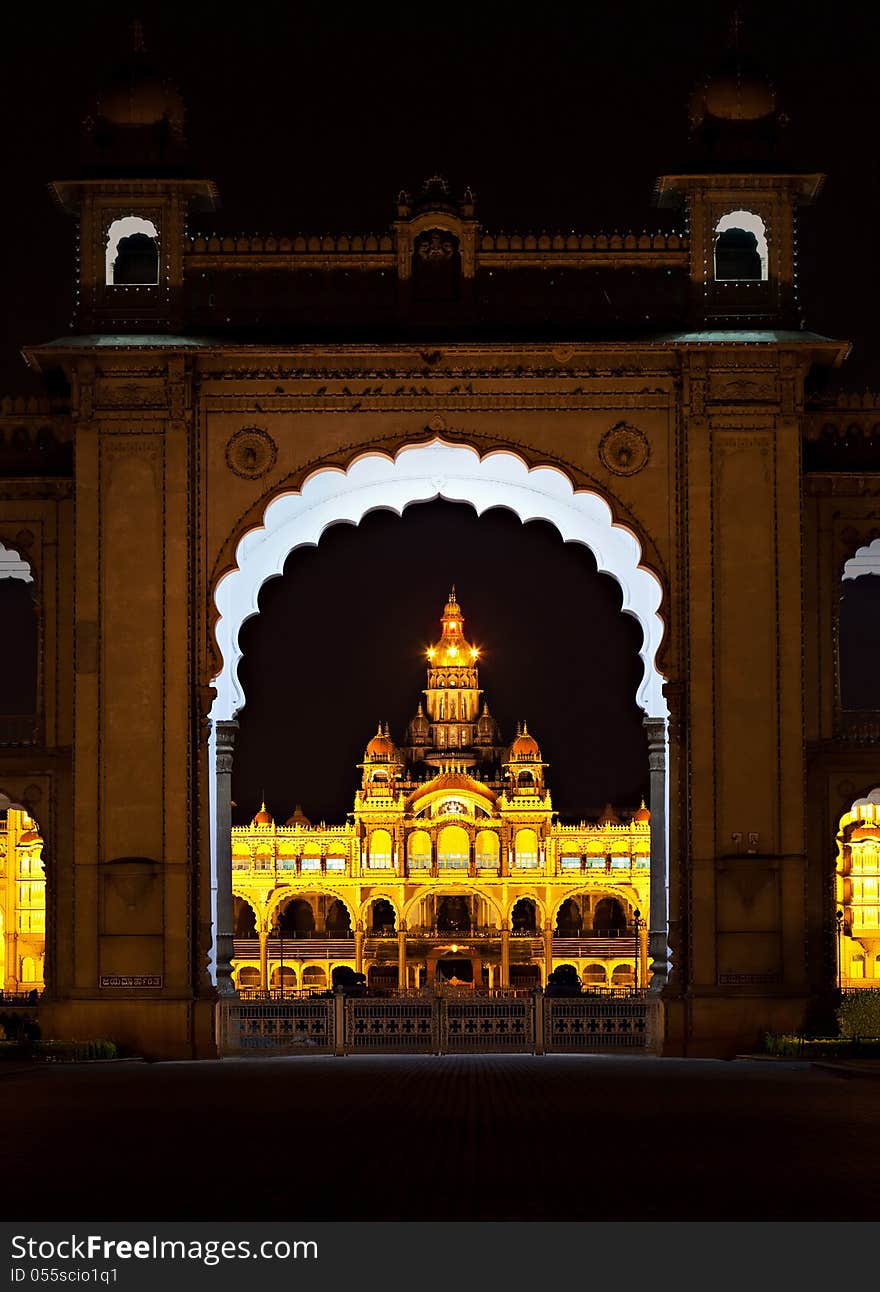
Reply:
x=137, y=37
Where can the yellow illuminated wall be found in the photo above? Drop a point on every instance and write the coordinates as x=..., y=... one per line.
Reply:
x=22, y=903
x=858, y=893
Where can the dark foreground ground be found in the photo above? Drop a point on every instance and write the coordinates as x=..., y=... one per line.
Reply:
x=463, y=1138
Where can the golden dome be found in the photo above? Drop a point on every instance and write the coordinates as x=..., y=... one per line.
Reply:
x=525, y=746
x=381, y=746
x=264, y=816
x=865, y=831
x=452, y=780
x=30, y=836
x=453, y=649
x=737, y=98
x=298, y=818
x=642, y=815
x=138, y=95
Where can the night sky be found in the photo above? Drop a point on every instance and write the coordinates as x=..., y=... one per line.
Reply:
x=310, y=118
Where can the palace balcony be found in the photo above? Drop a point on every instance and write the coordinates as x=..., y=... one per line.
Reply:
x=523, y=946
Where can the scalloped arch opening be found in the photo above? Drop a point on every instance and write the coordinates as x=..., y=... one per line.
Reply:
x=422, y=473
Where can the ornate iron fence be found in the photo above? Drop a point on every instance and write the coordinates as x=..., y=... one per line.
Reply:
x=506, y=1022
x=389, y=1025
x=481, y=1025
x=597, y=1024
x=277, y=1027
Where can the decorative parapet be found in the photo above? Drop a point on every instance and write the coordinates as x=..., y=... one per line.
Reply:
x=492, y=250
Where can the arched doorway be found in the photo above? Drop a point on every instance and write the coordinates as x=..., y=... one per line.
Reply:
x=383, y=922
x=524, y=918
x=569, y=920
x=453, y=915
x=297, y=919
x=609, y=918
x=338, y=920
x=457, y=473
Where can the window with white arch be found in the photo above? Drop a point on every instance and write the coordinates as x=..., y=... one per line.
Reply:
x=132, y=253
x=858, y=631
x=741, y=248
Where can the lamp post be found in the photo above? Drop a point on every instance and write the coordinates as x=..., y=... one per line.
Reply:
x=280, y=957
x=639, y=925
x=839, y=918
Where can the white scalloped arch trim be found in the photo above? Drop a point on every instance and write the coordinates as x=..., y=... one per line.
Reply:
x=421, y=473
x=865, y=561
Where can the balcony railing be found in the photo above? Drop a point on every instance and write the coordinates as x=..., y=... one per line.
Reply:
x=526, y=944
x=860, y=725
x=19, y=729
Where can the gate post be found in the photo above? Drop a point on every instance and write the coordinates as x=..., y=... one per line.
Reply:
x=225, y=733
x=655, y=729
x=338, y=1022
x=538, y=1020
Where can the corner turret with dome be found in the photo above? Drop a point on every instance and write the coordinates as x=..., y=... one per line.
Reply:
x=132, y=196
x=455, y=827
x=137, y=121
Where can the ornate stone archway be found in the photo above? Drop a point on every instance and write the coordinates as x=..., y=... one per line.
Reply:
x=419, y=473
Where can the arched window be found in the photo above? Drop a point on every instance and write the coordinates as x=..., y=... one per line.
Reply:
x=419, y=850
x=380, y=850
x=524, y=917
x=453, y=848
x=453, y=915
x=244, y=920
x=28, y=969
x=382, y=918
x=18, y=678
x=314, y=978
x=338, y=920
x=741, y=248
x=526, y=849
x=132, y=254
x=569, y=920
x=859, y=630
x=488, y=850
x=248, y=977
x=623, y=976
x=297, y=919
x=594, y=976
x=609, y=917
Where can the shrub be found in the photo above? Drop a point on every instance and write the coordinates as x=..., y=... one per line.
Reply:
x=859, y=1014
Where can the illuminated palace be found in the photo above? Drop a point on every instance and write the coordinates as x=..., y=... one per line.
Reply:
x=22, y=902
x=451, y=867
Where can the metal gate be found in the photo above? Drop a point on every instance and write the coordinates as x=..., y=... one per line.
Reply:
x=597, y=1024
x=277, y=1027
x=425, y=1023
x=480, y=1026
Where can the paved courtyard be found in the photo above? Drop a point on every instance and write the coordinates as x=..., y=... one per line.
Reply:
x=458, y=1137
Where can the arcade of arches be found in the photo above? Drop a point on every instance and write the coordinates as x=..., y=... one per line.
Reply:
x=672, y=408
x=452, y=868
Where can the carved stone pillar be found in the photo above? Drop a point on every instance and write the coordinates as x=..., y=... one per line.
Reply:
x=225, y=741
x=548, y=949
x=505, y=957
x=401, y=956
x=359, y=948
x=264, y=959
x=658, y=948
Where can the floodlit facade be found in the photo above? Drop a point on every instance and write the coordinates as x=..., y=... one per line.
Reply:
x=451, y=867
